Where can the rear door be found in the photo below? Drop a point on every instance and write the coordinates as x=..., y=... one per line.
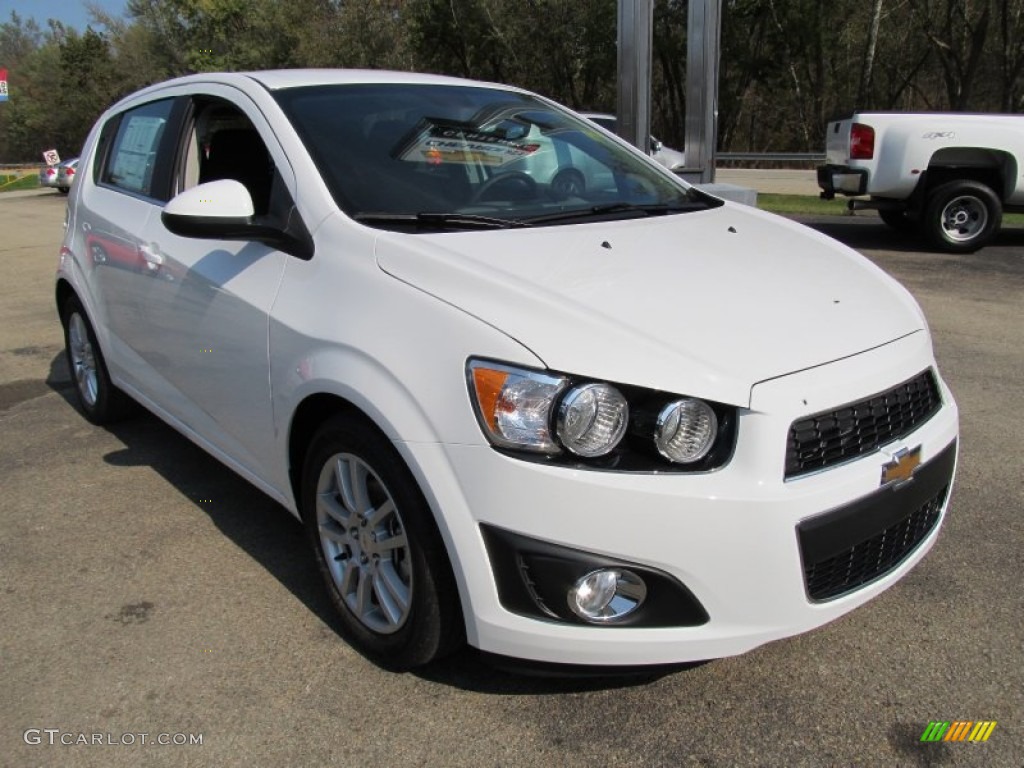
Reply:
x=129, y=185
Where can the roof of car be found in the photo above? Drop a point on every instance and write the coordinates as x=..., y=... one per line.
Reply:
x=277, y=79
x=293, y=78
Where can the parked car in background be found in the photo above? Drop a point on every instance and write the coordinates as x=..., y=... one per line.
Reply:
x=948, y=176
x=66, y=174
x=672, y=159
x=48, y=176
x=58, y=176
x=624, y=423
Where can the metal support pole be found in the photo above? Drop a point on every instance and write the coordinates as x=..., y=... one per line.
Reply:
x=703, y=38
x=636, y=22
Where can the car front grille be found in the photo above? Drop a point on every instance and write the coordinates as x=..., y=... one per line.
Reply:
x=832, y=437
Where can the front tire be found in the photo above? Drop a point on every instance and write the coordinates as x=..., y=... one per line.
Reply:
x=377, y=547
x=100, y=401
x=962, y=216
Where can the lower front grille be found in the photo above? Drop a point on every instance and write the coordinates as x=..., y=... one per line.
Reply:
x=847, y=548
x=864, y=562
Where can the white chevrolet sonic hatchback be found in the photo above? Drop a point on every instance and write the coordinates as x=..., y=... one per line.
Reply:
x=608, y=422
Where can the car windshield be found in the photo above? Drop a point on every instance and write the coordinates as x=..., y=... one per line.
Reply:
x=448, y=156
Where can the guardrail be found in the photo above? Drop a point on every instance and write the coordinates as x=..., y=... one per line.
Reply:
x=769, y=159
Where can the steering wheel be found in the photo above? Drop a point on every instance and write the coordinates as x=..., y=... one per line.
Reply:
x=514, y=185
x=568, y=182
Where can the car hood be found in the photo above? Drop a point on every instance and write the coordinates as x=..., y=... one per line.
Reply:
x=706, y=303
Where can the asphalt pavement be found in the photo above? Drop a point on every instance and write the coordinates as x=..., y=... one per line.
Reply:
x=146, y=589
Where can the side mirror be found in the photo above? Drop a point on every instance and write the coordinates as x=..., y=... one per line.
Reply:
x=223, y=210
x=656, y=145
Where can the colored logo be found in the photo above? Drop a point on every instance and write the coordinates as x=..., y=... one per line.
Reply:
x=958, y=730
x=901, y=469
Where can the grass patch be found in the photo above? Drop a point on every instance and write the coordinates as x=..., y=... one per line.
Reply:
x=26, y=181
x=789, y=204
x=815, y=206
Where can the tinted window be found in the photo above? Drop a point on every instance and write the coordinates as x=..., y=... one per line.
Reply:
x=134, y=155
x=404, y=150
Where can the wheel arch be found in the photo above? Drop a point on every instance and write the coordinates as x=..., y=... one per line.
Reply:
x=312, y=411
x=63, y=291
x=995, y=168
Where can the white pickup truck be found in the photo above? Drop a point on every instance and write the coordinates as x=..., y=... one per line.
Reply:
x=949, y=175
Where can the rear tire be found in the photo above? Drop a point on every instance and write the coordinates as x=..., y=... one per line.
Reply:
x=100, y=401
x=378, y=548
x=962, y=216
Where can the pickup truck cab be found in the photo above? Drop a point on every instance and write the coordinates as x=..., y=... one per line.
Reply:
x=950, y=176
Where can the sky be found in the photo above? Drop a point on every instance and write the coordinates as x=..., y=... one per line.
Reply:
x=72, y=12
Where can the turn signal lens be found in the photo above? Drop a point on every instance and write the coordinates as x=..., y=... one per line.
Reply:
x=685, y=430
x=592, y=419
x=514, y=405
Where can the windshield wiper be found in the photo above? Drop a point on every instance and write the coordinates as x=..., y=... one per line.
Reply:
x=432, y=220
x=641, y=209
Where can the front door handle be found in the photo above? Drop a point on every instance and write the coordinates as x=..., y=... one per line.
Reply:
x=151, y=253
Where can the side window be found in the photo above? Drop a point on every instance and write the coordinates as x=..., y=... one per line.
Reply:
x=224, y=144
x=134, y=157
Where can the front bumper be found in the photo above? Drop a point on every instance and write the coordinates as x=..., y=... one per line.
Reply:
x=843, y=180
x=730, y=537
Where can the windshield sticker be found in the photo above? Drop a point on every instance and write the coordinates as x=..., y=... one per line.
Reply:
x=437, y=143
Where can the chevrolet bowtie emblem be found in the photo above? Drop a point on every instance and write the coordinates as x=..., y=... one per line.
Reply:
x=902, y=467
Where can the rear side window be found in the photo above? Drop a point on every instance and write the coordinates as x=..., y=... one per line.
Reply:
x=134, y=156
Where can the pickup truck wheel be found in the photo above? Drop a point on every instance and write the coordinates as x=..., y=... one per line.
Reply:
x=378, y=548
x=962, y=216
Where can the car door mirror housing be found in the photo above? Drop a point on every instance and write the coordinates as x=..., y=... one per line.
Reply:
x=223, y=210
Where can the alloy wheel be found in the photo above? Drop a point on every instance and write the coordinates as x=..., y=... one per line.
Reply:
x=364, y=543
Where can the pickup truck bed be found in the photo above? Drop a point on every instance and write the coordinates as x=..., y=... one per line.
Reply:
x=949, y=176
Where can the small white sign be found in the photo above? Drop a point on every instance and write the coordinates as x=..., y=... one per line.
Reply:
x=51, y=157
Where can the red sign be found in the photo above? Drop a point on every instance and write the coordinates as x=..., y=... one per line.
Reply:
x=3, y=85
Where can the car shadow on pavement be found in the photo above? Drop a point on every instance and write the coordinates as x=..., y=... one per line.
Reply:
x=272, y=537
x=256, y=523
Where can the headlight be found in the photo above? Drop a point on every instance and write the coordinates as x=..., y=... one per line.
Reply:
x=685, y=430
x=555, y=417
x=514, y=405
x=592, y=419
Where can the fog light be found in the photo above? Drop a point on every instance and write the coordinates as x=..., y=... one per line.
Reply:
x=606, y=595
x=686, y=430
x=592, y=419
